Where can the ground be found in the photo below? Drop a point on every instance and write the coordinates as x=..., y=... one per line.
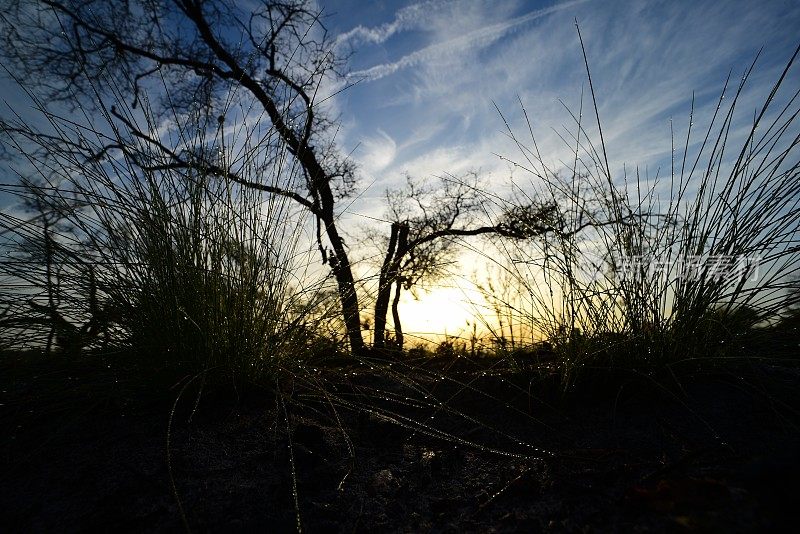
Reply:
x=439, y=447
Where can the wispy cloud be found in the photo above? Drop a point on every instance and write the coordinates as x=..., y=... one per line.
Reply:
x=378, y=151
x=481, y=37
x=407, y=18
x=435, y=93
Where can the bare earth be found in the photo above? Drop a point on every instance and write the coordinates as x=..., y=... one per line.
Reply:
x=85, y=450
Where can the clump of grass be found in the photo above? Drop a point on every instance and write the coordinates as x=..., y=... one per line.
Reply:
x=630, y=276
x=113, y=245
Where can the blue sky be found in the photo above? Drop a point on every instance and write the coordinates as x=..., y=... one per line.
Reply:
x=430, y=72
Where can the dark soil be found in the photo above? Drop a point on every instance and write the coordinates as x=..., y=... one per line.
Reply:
x=446, y=447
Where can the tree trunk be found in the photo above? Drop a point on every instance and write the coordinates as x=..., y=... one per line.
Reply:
x=384, y=289
x=398, y=329
x=390, y=271
x=340, y=265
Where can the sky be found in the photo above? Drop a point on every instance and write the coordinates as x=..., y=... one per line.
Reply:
x=430, y=73
x=428, y=78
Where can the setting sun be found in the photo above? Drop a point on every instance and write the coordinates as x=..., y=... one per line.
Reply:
x=440, y=311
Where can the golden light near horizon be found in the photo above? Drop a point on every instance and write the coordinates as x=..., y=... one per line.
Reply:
x=441, y=311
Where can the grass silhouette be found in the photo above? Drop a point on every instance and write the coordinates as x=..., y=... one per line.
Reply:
x=644, y=287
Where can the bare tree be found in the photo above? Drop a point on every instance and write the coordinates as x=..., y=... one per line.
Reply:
x=427, y=222
x=271, y=55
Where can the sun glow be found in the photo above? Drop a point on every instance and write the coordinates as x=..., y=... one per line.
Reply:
x=441, y=311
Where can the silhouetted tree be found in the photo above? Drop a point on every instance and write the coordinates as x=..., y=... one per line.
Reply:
x=268, y=54
x=428, y=220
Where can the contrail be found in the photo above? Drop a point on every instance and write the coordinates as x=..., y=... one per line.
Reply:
x=480, y=37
